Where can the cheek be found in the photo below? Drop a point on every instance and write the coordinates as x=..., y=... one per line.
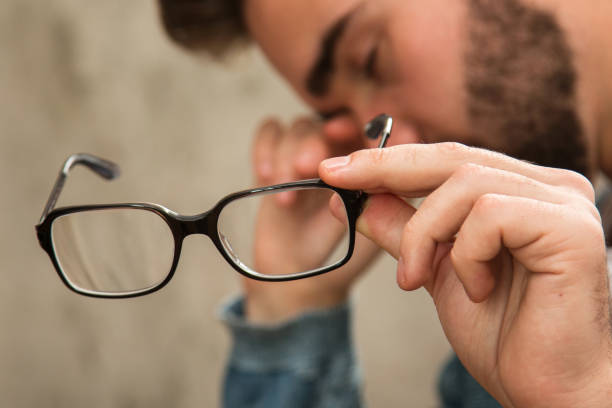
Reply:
x=428, y=73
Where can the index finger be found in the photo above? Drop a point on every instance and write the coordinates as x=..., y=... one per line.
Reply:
x=263, y=151
x=417, y=169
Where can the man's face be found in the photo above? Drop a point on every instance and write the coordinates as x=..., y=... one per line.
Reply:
x=492, y=73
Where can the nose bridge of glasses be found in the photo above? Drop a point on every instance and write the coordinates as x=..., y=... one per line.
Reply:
x=198, y=224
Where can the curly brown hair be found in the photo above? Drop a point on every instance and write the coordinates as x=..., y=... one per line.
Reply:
x=213, y=26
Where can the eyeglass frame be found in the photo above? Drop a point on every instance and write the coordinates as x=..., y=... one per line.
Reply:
x=205, y=223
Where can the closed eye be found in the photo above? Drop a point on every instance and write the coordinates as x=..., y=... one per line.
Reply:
x=370, y=67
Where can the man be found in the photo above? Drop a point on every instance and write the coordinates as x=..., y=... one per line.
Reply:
x=512, y=251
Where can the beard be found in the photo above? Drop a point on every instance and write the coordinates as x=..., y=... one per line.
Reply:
x=521, y=85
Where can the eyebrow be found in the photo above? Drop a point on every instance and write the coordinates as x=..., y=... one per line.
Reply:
x=319, y=77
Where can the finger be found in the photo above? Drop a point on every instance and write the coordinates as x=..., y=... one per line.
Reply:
x=299, y=144
x=264, y=150
x=562, y=241
x=382, y=219
x=417, y=169
x=442, y=213
x=312, y=150
x=288, y=152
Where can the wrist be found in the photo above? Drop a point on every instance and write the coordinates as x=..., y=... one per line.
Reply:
x=276, y=302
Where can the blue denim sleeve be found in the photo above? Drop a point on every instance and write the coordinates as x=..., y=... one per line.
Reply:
x=458, y=389
x=305, y=362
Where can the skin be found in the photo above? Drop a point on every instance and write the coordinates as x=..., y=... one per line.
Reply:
x=523, y=303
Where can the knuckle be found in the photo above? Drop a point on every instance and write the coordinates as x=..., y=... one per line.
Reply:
x=582, y=220
x=587, y=207
x=452, y=149
x=407, y=154
x=488, y=203
x=594, y=225
x=576, y=182
x=596, y=228
x=467, y=172
x=457, y=254
x=584, y=204
x=588, y=225
x=376, y=157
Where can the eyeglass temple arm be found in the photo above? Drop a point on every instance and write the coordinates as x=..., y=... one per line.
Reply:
x=101, y=167
x=380, y=125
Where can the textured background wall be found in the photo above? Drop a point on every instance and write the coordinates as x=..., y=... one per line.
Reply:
x=100, y=77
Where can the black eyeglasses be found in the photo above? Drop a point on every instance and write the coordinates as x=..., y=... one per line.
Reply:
x=132, y=249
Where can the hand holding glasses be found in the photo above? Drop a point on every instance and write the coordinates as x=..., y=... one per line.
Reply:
x=132, y=249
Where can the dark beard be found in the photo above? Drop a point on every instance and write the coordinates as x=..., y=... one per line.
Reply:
x=521, y=85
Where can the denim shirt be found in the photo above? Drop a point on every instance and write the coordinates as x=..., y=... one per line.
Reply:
x=310, y=362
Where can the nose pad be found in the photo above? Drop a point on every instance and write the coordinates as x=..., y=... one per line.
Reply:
x=374, y=127
x=379, y=129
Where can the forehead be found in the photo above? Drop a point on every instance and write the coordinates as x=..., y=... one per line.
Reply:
x=290, y=32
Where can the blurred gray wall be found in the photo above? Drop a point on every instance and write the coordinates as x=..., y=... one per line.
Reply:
x=101, y=77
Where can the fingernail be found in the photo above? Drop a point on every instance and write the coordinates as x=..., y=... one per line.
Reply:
x=336, y=163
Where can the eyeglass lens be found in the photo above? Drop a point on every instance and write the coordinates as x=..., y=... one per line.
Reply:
x=113, y=250
x=271, y=239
